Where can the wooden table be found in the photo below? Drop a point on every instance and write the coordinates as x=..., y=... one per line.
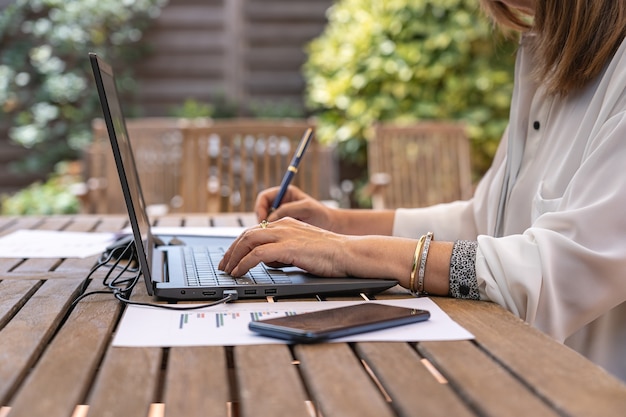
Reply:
x=53, y=365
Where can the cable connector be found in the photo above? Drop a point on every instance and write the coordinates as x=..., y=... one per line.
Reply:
x=230, y=295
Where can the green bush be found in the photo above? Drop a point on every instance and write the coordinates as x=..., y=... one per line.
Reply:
x=222, y=108
x=407, y=60
x=46, y=89
x=54, y=196
x=192, y=109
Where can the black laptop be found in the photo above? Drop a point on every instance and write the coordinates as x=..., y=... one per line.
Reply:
x=189, y=271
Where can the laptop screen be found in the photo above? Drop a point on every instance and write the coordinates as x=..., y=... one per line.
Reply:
x=125, y=161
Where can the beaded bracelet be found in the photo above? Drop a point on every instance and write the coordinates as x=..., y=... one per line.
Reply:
x=422, y=268
x=418, y=250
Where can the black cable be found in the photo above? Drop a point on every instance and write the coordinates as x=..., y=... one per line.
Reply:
x=113, y=253
x=115, y=282
x=104, y=259
x=121, y=287
x=229, y=297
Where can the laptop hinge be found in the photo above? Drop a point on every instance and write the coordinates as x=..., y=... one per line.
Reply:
x=164, y=268
x=159, y=267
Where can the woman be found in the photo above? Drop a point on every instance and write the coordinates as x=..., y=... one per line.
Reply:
x=544, y=235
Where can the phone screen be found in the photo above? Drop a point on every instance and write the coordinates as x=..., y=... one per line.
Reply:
x=337, y=322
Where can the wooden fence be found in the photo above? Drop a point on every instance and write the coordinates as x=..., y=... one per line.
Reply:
x=246, y=51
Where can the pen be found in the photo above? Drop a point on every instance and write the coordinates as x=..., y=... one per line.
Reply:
x=293, y=168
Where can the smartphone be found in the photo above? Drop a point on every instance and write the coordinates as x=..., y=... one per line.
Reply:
x=337, y=322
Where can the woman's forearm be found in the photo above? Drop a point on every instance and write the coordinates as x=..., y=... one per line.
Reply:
x=397, y=253
x=437, y=273
x=392, y=257
x=363, y=222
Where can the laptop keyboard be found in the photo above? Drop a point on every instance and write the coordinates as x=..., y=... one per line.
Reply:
x=201, y=270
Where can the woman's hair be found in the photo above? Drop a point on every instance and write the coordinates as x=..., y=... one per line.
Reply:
x=574, y=39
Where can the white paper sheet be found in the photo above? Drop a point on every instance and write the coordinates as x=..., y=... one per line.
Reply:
x=227, y=324
x=53, y=244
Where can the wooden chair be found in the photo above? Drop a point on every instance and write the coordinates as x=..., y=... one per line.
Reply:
x=419, y=165
x=235, y=159
x=204, y=165
x=157, y=146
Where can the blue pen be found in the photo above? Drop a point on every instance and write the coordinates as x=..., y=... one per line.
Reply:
x=293, y=168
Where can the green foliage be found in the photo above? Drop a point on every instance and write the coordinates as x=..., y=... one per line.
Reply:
x=407, y=60
x=46, y=91
x=269, y=109
x=222, y=108
x=55, y=196
x=219, y=107
x=192, y=109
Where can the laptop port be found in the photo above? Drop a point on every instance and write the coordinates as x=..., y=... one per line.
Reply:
x=208, y=293
x=249, y=292
x=270, y=291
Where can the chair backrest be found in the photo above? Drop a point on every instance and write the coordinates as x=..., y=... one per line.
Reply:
x=157, y=145
x=205, y=165
x=420, y=164
x=236, y=159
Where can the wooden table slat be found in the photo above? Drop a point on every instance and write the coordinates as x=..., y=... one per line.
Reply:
x=338, y=383
x=127, y=383
x=26, y=222
x=8, y=264
x=197, y=220
x=248, y=219
x=409, y=383
x=36, y=265
x=171, y=220
x=226, y=220
x=553, y=373
x=55, y=223
x=81, y=224
x=483, y=382
x=14, y=294
x=111, y=223
x=28, y=332
x=268, y=382
x=6, y=221
x=65, y=378
x=76, y=266
x=196, y=382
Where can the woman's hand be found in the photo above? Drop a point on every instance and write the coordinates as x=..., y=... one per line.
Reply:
x=286, y=242
x=296, y=204
x=291, y=242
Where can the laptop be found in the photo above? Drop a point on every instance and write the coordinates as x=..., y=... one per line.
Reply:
x=188, y=271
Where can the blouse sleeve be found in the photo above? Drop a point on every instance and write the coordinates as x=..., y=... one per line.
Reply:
x=463, y=281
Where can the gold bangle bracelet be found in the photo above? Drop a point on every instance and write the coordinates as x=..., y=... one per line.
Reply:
x=421, y=270
x=418, y=251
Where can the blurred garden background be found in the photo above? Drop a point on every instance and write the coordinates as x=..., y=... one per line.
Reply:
x=347, y=64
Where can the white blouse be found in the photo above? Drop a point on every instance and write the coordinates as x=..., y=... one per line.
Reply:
x=550, y=214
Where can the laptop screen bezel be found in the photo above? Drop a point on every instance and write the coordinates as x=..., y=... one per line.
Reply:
x=127, y=169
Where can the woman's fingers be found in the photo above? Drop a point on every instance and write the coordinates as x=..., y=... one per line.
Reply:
x=265, y=199
x=283, y=242
x=228, y=255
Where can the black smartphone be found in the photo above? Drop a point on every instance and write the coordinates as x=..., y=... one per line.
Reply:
x=337, y=322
